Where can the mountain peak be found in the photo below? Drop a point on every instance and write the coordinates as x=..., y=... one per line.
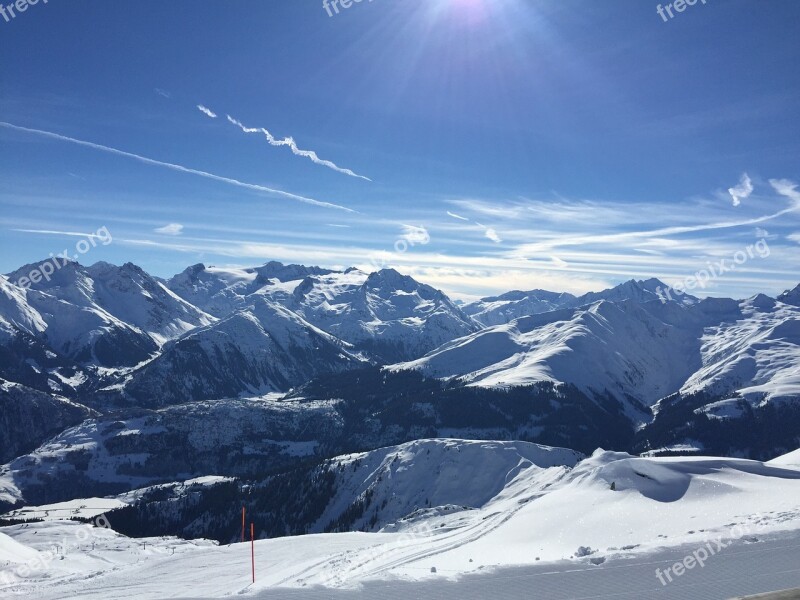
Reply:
x=638, y=290
x=390, y=277
x=791, y=296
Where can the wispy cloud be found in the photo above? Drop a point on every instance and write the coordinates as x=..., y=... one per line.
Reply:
x=179, y=168
x=290, y=143
x=786, y=188
x=650, y=235
x=162, y=93
x=455, y=216
x=794, y=237
x=207, y=111
x=489, y=209
x=741, y=191
x=171, y=229
x=58, y=233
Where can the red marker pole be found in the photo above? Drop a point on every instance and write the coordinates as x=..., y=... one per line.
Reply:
x=253, y=550
x=243, y=524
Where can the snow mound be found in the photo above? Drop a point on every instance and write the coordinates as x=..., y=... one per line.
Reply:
x=792, y=459
x=12, y=551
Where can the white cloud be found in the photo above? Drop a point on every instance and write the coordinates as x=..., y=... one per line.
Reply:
x=289, y=141
x=179, y=168
x=794, y=237
x=207, y=111
x=171, y=229
x=455, y=216
x=415, y=235
x=492, y=235
x=741, y=191
x=162, y=93
x=472, y=283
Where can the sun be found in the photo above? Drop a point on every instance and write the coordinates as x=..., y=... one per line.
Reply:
x=478, y=13
x=471, y=12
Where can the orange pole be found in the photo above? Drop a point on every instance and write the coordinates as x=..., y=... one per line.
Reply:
x=253, y=550
x=243, y=524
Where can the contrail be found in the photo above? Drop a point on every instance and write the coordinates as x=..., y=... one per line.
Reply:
x=207, y=111
x=179, y=168
x=289, y=141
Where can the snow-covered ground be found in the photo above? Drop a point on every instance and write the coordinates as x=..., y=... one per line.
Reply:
x=602, y=527
x=85, y=508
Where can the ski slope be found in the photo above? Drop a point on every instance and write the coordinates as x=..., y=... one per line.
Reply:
x=546, y=523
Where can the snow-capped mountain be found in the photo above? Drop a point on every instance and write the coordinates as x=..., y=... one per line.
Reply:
x=262, y=348
x=640, y=291
x=48, y=325
x=603, y=348
x=555, y=369
x=101, y=315
x=219, y=291
x=498, y=310
x=386, y=315
x=127, y=293
x=754, y=353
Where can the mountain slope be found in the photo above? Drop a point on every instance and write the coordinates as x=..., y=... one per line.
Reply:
x=618, y=348
x=28, y=417
x=57, y=328
x=791, y=296
x=753, y=354
x=262, y=348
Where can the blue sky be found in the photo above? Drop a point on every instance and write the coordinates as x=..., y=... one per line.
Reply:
x=498, y=144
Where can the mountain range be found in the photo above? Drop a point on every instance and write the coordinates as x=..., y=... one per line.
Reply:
x=120, y=379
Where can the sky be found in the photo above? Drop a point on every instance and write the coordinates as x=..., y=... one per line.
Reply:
x=477, y=145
